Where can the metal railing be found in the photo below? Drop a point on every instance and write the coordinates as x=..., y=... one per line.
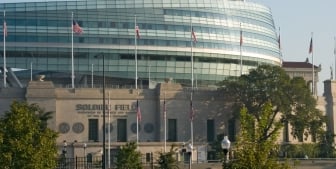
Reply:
x=149, y=163
x=79, y=163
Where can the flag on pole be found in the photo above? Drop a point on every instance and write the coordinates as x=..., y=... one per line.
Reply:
x=164, y=109
x=193, y=35
x=241, y=38
x=279, y=43
x=335, y=47
x=5, y=28
x=76, y=28
x=165, y=123
x=192, y=112
x=311, y=46
x=137, y=32
x=138, y=111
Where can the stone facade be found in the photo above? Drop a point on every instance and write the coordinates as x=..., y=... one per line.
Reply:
x=73, y=109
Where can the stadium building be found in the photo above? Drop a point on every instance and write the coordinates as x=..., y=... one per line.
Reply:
x=230, y=37
x=130, y=52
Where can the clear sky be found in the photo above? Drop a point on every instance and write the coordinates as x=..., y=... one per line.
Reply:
x=297, y=20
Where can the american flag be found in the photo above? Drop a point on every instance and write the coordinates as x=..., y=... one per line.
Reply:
x=138, y=111
x=192, y=112
x=137, y=32
x=5, y=28
x=241, y=37
x=76, y=28
x=279, y=42
x=311, y=46
x=164, y=109
x=193, y=35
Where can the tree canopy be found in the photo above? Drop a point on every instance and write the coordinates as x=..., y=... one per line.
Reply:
x=129, y=157
x=167, y=160
x=25, y=141
x=291, y=99
x=253, y=151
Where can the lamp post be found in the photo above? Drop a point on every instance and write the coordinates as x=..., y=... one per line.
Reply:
x=84, y=147
x=104, y=112
x=189, y=150
x=225, y=146
x=64, y=151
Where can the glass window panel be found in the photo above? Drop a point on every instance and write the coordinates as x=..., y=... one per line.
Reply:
x=180, y=70
x=160, y=27
x=170, y=69
x=124, y=68
x=161, y=69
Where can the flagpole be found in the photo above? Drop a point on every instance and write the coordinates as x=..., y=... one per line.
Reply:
x=31, y=70
x=279, y=45
x=165, y=122
x=4, y=49
x=136, y=75
x=104, y=114
x=136, y=53
x=72, y=54
x=335, y=56
x=240, y=50
x=192, y=57
x=92, y=75
x=312, y=53
x=149, y=72
x=137, y=122
x=191, y=129
x=109, y=131
x=192, y=85
x=191, y=122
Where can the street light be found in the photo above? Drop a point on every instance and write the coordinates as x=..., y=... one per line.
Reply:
x=225, y=146
x=84, y=147
x=64, y=151
x=104, y=112
x=189, y=150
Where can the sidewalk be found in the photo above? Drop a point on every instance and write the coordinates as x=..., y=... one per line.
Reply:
x=298, y=164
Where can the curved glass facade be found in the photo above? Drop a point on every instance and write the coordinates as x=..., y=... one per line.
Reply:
x=39, y=34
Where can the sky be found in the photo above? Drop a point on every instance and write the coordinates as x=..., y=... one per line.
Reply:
x=299, y=20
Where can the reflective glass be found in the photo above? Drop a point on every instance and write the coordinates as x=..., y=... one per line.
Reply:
x=165, y=35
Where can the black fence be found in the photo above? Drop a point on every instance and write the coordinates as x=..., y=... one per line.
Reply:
x=79, y=163
x=95, y=162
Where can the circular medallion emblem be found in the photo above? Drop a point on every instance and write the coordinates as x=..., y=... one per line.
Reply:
x=134, y=129
x=78, y=127
x=63, y=128
x=149, y=127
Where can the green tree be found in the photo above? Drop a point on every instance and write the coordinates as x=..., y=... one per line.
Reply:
x=168, y=160
x=253, y=151
x=291, y=99
x=25, y=142
x=44, y=117
x=326, y=146
x=217, y=147
x=128, y=157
